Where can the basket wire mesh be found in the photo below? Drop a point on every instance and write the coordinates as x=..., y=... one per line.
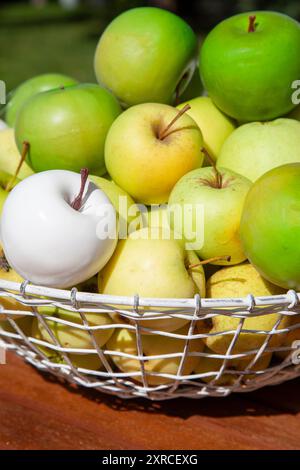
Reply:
x=138, y=373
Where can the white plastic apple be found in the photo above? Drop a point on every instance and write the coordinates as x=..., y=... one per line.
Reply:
x=53, y=238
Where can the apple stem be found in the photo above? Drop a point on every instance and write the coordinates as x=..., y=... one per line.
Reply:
x=210, y=260
x=164, y=133
x=11, y=182
x=76, y=204
x=219, y=178
x=252, y=25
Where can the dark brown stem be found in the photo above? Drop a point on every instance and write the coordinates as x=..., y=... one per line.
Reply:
x=164, y=133
x=210, y=260
x=218, y=175
x=4, y=265
x=76, y=204
x=252, y=25
x=25, y=149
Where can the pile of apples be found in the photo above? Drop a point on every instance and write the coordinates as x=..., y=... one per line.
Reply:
x=204, y=186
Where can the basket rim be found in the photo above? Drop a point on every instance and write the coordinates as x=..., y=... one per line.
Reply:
x=289, y=300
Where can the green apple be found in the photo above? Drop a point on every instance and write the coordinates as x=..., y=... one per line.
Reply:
x=31, y=87
x=149, y=147
x=67, y=127
x=206, y=208
x=215, y=125
x=240, y=281
x=248, y=63
x=10, y=156
x=124, y=340
x=144, y=55
x=257, y=147
x=193, y=90
x=270, y=226
x=151, y=265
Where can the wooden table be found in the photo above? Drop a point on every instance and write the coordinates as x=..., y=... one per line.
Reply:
x=36, y=412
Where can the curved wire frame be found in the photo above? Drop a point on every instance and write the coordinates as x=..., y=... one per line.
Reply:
x=140, y=374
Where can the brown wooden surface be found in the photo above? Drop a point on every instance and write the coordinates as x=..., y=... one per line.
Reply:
x=36, y=412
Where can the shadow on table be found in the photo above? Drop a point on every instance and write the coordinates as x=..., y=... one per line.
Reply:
x=272, y=400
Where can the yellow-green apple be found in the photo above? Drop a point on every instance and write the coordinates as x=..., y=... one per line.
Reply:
x=249, y=62
x=270, y=226
x=149, y=147
x=205, y=209
x=10, y=156
x=136, y=59
x=214, y=125
x=292, y=335
x=31, y=87
x=9, y=274
x=24, y=323
x=240, y=281
x=67, y=127
x=209, y=366
x=58, y=228
x=151, y=265
x=7, y=182
x=72, y=338
x=125, y=206
x=124, y=340
x=257, y=147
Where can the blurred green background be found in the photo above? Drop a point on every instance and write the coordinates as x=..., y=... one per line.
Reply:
x=40, y=36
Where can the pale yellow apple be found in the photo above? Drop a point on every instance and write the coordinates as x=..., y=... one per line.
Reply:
x=153, y=267
x=71, y=336
x=123, y=203
x=293, y=335
x=207, y=365
x=146, y=161
x=124, y=340
x=154, y=216
x=239, y=281
x=214, y=125
x=9, y=274
x=84, y=361
x=257, y=147
x=10, y=155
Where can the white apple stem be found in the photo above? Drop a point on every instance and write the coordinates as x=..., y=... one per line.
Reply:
x=11, y=182
x=219, y=178
x=252, y=25
x=210, y=260
x=164, y=133
x=76, y=204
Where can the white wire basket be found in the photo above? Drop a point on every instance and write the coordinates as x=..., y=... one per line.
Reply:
x=195, y=372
